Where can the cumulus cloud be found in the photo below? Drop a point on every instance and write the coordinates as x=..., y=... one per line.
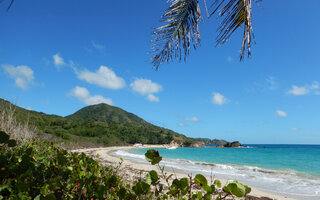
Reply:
x=103, y=77
x=58, y=60
x=281, y=113
x=303, y=90
x=83, y=95
x=294, y=129
x=295, y=90
x=146, y=87
x=22, y=75
x=219, y=99
x=192, y=119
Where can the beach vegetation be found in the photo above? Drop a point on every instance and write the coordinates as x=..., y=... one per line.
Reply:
x=38, y=169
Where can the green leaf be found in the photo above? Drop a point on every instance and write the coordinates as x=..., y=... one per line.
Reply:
x=148, y=179
x=153, y=156
x=207, y=196
x=3, y=137
x=44, y=189
x=236, y=188
x=209, y=189
x=184, y=185
x=199, y=195
x=154, y=177
x=217, y=183
x=248, y=189
x=200, y=180
x=141, y=188
x=122, y=193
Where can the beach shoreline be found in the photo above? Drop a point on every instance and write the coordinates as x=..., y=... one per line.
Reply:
x=129, y=167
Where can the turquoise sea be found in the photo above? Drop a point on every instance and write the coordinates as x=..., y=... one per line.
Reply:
x=289, y=170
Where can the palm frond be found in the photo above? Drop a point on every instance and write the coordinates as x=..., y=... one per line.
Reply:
x=10, y=5
x=180, y=31
x=235, y=13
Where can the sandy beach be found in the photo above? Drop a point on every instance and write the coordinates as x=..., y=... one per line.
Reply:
x=131, y=170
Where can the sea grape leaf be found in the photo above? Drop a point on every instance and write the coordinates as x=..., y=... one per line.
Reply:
x=141, y=188
x=209, y=189
x=248, y=189
x=199, y=195
x=152, y=177
x=153, y=156
x=122, y=193
x=236, y=188
x=217, y=183
x=184, y=185
x=200, y=180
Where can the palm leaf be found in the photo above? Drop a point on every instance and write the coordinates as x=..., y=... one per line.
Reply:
x=235, y=13
x=10, y=5
x=180, y=31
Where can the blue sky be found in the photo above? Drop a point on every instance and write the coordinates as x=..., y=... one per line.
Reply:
x=59, y=56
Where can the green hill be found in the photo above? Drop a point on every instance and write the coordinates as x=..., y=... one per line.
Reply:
x=98, y=124
x=106, y=113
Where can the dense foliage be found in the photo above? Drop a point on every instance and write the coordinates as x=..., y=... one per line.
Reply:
x=40, y=170
x=100, y=124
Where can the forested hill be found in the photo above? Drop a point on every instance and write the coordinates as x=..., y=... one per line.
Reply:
x=98, y=124
x=106, y=113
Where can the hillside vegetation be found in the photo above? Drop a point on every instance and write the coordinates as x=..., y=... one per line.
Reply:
x=99, y=124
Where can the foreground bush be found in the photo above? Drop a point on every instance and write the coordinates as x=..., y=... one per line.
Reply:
x=40, y=170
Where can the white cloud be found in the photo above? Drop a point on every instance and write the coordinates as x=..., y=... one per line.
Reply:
x=192, y=119
x=104, y=77
x=281, y=113
x=294, y=129
x=22, y=75
x=83, y=95
x=219, y=99
x=229, y=59
x=151, y=97
x=58, y=60
x=303, y=90
x=146, y=87
x=181, y=125
x=295, y=90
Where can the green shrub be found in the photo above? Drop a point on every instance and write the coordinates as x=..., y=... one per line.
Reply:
x=40, y=170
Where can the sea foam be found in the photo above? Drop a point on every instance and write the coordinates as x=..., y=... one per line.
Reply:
x=284, y=182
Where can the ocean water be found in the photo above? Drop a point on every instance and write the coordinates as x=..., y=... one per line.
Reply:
x=289, y=170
